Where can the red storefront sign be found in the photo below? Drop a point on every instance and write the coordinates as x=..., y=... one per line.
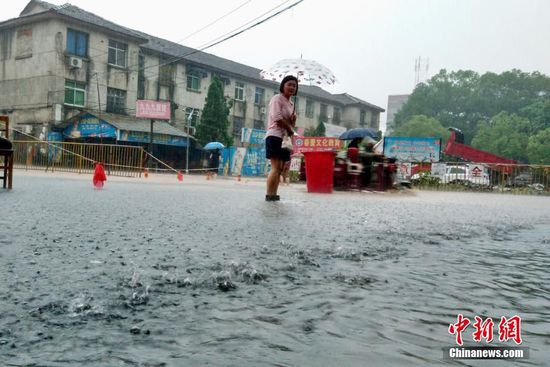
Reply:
x=304, y=144
x=155, y=110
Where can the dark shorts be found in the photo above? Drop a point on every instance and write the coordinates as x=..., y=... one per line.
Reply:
x=273, y=149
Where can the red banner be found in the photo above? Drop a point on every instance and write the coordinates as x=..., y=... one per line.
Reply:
x=315, y=144
x=156, y=110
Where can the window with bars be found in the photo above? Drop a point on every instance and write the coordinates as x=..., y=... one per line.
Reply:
x=362, y=118
x=193, y=81
x=77, y=43
x=192, y=116
x=337, y=115
x=259, y=96
x=309, y=108
x=296, y=104
x=75, y=93
x=239, y=91
x=116, y=100
x=238, y=124
x=259, y=124
x=118, y=52
x=323, y=116
x=166, y=71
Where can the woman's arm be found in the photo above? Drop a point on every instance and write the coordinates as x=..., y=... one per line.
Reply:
x=288, y=123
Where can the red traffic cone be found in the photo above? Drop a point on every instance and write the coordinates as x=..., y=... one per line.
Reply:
x=99, y=176
x=180, y=176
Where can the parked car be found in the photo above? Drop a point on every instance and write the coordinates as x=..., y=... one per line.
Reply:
x=463, y=175
x=523, y=179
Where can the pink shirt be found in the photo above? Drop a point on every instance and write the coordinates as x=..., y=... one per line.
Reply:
x=279, y=108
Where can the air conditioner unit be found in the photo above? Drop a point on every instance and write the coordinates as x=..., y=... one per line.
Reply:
x=75, y=62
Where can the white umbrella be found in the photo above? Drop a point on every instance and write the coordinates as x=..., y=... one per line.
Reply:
x=307, y=71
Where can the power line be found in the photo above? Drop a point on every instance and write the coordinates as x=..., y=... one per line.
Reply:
x=215, y=21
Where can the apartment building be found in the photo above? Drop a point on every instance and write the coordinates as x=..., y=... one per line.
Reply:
x=62, y=65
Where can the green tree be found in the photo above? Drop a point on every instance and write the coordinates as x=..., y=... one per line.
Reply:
x=320, y=129
x=214, y=124
x=538, y=114
x=421, y=126
x=310, y=131
x=506, y=135
x=538, y=147
x=463, y=98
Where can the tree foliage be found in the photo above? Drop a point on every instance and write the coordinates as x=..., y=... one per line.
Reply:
x=538, y=147
x=316, y=131
x=422, y=126
x=463, y=98
x=506, y=135
x=214, y=124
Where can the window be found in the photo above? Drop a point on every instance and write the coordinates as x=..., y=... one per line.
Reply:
x=75, y=93
x=193, y=81
x=296, y=104
x=239, y=92
x=259, y=124
x=238, y=124
x=374, y=120
x=191, y=116
x=77, y=43
x=362, y=118
x=117, y=53
x=309, y=108
x=116, y=100
x=259, y=96
x=166, y=72
x=323, y=116
x=337, y=115
x=24, y=43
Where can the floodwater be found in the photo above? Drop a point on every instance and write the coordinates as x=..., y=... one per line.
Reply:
x=208, y=273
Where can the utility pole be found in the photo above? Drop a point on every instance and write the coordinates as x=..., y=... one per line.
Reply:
x=187, y=147
x=151, y=138
x=99, y=110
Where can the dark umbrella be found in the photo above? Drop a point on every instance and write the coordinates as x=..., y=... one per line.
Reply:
x=359, y=132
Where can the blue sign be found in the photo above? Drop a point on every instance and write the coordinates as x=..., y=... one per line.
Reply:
x=254, y=162
x=143, y=137
x=89, y=126
x=255, y=138
x=54, y=152
x=407, y=149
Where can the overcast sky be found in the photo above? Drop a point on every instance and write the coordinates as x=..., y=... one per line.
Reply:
x=370, y=45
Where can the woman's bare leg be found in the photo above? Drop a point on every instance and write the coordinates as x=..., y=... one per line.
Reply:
x=273, y=178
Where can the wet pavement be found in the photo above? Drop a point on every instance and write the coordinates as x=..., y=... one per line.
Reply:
x=162, y=273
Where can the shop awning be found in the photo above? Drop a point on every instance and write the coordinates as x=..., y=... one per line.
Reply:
x=123, y=128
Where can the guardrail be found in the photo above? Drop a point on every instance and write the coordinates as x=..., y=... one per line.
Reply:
x=118, y=160
x=513, y=178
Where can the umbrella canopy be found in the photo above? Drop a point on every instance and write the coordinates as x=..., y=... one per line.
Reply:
x=359, y=132
x=213, y=145
x=307, y=71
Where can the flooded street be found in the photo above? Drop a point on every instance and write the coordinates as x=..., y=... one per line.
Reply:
x=208, y=273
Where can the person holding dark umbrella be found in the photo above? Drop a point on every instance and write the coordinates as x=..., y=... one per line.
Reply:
x=282, y=118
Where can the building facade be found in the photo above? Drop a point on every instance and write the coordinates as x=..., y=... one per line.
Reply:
x=58, y=62
x=394, y=105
